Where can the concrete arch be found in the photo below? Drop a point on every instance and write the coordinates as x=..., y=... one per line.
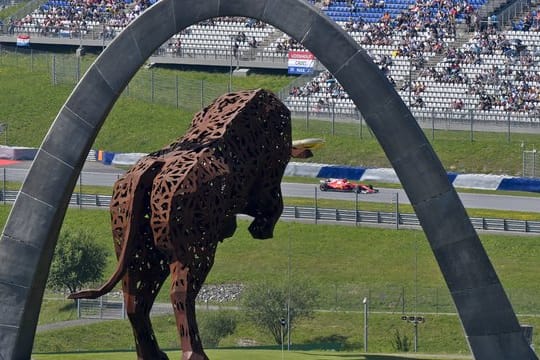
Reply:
x=29, y=237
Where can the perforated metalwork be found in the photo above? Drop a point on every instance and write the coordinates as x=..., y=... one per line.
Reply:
x=170, y=211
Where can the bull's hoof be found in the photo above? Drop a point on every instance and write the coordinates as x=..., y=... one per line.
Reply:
x=261, y=232
x=159, y=356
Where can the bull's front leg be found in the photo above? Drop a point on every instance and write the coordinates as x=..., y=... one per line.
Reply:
x=183, y=295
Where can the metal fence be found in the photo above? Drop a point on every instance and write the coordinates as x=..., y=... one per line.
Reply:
x=510, y=11
x=173, y=90
x=336, y=111
x=147, y=84
x=334, y=118
x=210, y=54
x=394, y=299
x=395, y=218
x=104, y=307
x=531, y=164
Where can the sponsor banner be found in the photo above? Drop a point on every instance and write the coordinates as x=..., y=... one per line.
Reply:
x=300, y=62
x=23, y=40
x=520, y=184
x=341, y=172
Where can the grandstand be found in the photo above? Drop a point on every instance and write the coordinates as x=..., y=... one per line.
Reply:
x=445, y=60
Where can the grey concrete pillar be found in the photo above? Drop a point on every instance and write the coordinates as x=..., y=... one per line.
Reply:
x=30, y=234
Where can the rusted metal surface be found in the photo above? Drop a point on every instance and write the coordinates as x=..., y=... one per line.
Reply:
x=170, y=211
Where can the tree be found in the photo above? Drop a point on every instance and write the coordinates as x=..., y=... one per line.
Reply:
x=78, y=260
x=216, y=325
x=266, y=305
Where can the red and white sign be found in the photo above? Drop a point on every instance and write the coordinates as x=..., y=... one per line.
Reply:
x=23, y=40
x=300, y=62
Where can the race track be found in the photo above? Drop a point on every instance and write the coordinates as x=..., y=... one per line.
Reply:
x=95, y=173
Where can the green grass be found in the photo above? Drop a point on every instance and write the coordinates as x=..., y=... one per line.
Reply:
x=333, y=330
x=7, y=12
x=57, y=309
x=351, y=262
x=127, y=127
x=488, y=153
x=345, y=263
x=226, y=354
x=341, y=331
x=379, y=261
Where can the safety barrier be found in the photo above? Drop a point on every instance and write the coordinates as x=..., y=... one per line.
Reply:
x=388, y=175
x=318, y=214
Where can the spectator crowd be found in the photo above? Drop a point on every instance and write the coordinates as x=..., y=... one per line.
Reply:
x=426, y=29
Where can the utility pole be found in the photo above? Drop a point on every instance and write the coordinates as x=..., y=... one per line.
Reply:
x=365, y=302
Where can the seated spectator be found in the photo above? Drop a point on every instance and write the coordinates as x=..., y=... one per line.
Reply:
x=326, y=4
x=369, y=3
x=253, y=42
x=208, y=22
x=321, y=105
x=457, y=104
x=385, y=18
x=241, y=37
x=250, y=23
x=418, y=102
x=517, y=26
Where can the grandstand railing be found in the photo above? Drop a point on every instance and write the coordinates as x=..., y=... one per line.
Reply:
x=510, y=12
x=317, y=214
x=429, y=119
x=205, y=53
x=97, y=38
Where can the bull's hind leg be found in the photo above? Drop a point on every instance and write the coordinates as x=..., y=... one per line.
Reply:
x=141, y=287
x=183, y=294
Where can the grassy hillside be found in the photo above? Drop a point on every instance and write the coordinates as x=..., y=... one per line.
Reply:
x=345, y=264
x=29, y=104
x=440, y=334
x=395, y=269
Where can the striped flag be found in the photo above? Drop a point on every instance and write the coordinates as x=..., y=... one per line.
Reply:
x=23, y=40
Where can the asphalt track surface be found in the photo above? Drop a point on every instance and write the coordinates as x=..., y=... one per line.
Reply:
x=95, y=173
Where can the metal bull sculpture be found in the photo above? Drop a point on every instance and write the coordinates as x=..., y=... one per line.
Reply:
x=170, y=211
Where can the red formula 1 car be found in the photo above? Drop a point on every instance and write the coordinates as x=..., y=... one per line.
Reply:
x=345, y=185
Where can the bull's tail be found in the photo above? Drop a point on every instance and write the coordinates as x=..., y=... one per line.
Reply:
x=133, y=202
x=118, y=274
x=105, y=288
